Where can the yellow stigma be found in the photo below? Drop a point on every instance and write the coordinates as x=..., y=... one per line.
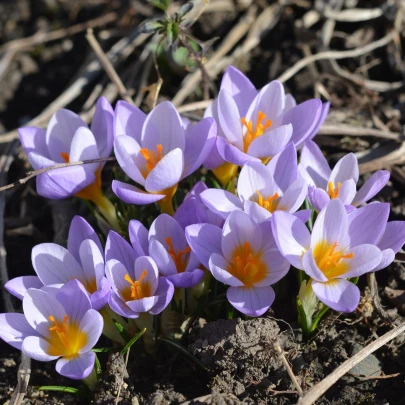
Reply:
x=139, y=289
x=65, y=338
x=152, y=158
x=328, y=259
x=247, y=266
x=269, y=203
x=177, y=255
x=253, y=132
x=333, y=193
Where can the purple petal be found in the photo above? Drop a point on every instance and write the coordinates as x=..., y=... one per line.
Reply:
x=92, y=262
x=318, y=198
x=14, y=328
x=91, y=325
x=283, y=167
x=162, y=258
x=366, y=258
x=321, y=120
x=292, y=237
x=372, y=186
x=164, y=292
x=100, y=297
x=340, y=295
x=34, y=140
x=65, y=182
x=304, y=118
x=167, y=172
x=118, y=248
x=84, y=147
x=116, y=272
x=204, y=240
x=218, y=266
x=271, y=142
x=120, y=308
x=37, y=348
x=367, y=224
x=347, y=191
x=200, y=140
x=393, y=237
x=138, y=235
x=74, y=299
x=388, y=256
x=214, y=159
x=146, y=263
x=277, y=265
x=102, y=127
x=134, y=195
x=289, y=102
x=80, y=230
x=187, y=279
x=221, y=202
x=314, y=162
x=77, y=367
x=345, y=169
x=303, y=215
x=311, y=268
x=128, y=120
x=232, y=154
x=165, y=226
x=253, y=301
x=61, y=129
x=294, y=196
x=18, y=286
x=143, y=304
x=258, y=213
x=39, y=162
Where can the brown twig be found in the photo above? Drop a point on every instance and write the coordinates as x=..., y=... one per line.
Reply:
x=330, y=128
x=372, y=285
x=35, y=173
x=319, y=389
x=107, y=65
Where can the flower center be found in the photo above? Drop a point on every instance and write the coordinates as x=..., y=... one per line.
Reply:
x=65, y=338
x=328, y=259
x=269, y=203
x=139, y=289
x=253, y=132
x=152, y=158
x=178, y=255
x=246, y=265
x=332, y=191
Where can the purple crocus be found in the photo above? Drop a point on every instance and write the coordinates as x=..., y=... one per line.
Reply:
x=256, y=125
x=340, y=247
x=193, y=211
x=138, y=289
x=157, y=150
x=167, y=245
x=63, y=327
x=242, y=255
x=262, y=189
x=55, y=265
x=326, y=184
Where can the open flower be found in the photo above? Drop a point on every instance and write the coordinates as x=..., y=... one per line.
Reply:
x=138, y=289
x=55, y=265
x=62, y=326
x=263, y=189
x=256, y=125
x=242, y=255
x=326, y=184
x=340, y=247
x=157, y=150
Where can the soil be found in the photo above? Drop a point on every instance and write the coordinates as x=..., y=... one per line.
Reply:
x=237, y=360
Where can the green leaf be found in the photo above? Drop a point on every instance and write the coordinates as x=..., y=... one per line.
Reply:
x=162, y=4
x=104, y=349
x=318, y=318
x=132, y=341
x=150, y=27
x=121, y=330
x=98, y=368
x=60, y=388
x=183, y=350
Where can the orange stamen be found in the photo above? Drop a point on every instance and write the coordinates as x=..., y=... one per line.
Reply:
x=252, y=133
x=151, y=158
x=138, y=289
x=333, y=193
x=65, y=156
x=177, y=256
x=269, y=203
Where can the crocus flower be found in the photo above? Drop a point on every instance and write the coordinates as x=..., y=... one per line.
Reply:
x=262, y=190
x=168, y=247
x=193, y=211
x=69, y=139
x=242, y=255
x=256, y=125
x=62, y=326
x=157, y=150
x=340, y=247
x=138, y=289
x=326, y=184
x=55, y=265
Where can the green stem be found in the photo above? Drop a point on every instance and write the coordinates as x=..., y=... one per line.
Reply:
x=107, y=210
x=91, y=380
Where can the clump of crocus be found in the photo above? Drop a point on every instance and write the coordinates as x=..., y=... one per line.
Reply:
x=168, y=247
x=138, y=289
x=256, y=125
x=63, y=327
x=69, y=139
x=326, y=184
x=55, y=265
x=242, y=255
x=158, y=150
x=262, y=189
x=340, y=247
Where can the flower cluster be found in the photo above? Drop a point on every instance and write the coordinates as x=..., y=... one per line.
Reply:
x=272, y=213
